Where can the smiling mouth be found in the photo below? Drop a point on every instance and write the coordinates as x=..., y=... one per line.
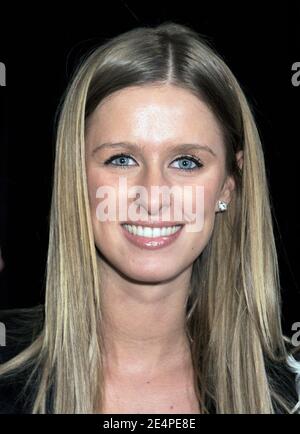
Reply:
x=152, y=232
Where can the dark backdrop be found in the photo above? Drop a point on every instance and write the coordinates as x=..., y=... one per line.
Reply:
x=40, y=47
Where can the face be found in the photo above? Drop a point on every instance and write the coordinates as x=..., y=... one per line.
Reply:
x=153, y=128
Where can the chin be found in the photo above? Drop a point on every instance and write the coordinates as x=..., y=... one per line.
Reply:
x=150, y=277
x=151, y=271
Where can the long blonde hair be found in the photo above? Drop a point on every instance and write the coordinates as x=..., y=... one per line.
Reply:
x=233, y=310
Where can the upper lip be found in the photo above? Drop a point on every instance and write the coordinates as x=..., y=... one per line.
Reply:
x=153, y=224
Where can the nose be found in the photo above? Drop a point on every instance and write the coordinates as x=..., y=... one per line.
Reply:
x=153, y=196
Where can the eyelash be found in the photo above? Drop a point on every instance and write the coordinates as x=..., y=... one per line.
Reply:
x=182, y=157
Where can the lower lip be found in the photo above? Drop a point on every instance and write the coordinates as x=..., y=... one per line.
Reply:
x=151, y=243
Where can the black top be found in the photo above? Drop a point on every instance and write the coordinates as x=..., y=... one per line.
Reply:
x=12, y=401
x=22, y=327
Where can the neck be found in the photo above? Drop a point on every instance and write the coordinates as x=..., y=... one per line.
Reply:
x=144, y=323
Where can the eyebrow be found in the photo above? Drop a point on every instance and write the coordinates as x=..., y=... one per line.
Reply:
x=184, y=147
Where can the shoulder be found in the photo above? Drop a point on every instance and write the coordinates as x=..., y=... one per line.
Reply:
x=12, y=398
x=19, y=334
x=288, y=379
x=293, y=363
x=283, y=377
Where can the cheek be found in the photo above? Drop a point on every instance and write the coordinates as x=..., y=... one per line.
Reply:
x=95, y=179
x=93, y=182
x=211, y=191
x=204, y=203
x=202, y=198
x=104, y=208
x=210, y=198
x=212, y=188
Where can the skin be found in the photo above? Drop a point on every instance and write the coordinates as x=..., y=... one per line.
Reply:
x=144, y=292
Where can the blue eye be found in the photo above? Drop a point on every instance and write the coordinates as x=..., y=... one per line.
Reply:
x=187, y=163
x=123, y=160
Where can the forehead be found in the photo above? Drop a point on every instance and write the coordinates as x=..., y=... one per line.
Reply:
x=155, y=115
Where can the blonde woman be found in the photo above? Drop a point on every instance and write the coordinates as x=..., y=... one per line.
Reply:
x=151, y=315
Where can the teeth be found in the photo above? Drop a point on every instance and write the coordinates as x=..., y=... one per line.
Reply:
x=144, y=231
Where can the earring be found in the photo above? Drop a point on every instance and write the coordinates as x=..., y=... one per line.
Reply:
x=222, y=206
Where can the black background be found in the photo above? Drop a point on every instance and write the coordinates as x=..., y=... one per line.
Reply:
x=41, y=45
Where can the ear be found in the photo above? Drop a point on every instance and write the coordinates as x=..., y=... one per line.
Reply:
x=229, y=183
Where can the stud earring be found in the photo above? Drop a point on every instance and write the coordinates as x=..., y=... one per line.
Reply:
x=222, y=206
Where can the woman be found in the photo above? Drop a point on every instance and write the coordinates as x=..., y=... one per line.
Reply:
x=130, y=325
